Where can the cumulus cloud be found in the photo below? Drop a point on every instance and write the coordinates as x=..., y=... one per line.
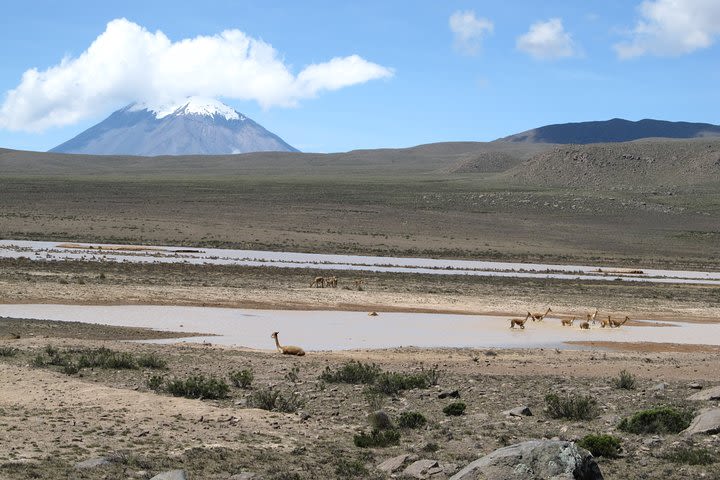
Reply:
x=672, y=27
x=547, y=41
x=469, y=31
x=127, y=63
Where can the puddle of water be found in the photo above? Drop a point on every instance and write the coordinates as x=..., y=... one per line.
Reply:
x=54, y=251
x=328, y=330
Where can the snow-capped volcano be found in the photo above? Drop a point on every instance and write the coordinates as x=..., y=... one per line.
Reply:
x=192, y=126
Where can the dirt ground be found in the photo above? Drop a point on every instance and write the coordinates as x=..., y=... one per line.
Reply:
x=51, y=420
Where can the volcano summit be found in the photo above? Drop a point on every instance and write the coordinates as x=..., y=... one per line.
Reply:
x=193, y=126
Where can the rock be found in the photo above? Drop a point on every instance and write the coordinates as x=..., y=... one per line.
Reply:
x=659, y=387
x=450, y=394
x=421, y=468
x=245, y=476
x=171, y=475
x=707, y=394
x=523, y=411
x=92, y=463
x=534, y=460
x=393, y=464
x=707, y=422
x=695, y=386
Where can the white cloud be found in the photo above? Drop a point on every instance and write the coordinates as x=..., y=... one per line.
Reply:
x=127, y=63
x=672, y=27
x=547, y=41
x=469, y=31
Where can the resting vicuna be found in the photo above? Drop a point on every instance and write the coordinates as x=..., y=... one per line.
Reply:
x=585, y=326
x=287, y=349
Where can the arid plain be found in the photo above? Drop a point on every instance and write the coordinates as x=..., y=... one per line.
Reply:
x=645, y=204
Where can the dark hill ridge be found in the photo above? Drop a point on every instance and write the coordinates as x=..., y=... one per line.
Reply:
x=615, y=130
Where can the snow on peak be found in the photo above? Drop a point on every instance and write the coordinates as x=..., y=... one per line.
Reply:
x=192, y=106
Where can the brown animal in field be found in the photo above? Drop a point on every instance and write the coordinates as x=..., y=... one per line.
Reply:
x=591, y=318
x=520, y=323
x=617, y=323
x=567, y=323
x=539, y=316
x=331, y=281
x=319, y=282
x=359, y=282
x=287, y=349
x=585, y=326
x=373, y=314
x=605, y=323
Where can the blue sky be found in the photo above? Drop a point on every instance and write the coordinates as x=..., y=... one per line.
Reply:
x=407, y=72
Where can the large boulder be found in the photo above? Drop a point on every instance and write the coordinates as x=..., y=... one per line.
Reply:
x=534, y=460
x=707, y=394
x=707, y=423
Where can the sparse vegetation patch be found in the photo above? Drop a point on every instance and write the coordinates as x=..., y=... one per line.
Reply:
x=570, y=407
x=602, y=445
x=657, y=420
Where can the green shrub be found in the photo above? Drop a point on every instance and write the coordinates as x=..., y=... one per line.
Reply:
x=242, y=378
x=152, y=361
x=391, y=383
x=377, y=438
x=198, y=386
x=352, y=372
x=657, y=420
x=155, y=383
x=374, y=398
x=602, y=445
x=70, y=368
x=274, y=401
x=454, y=409
x=412, y=420
x=571, y=407
x=350, y=469
x=691, y=456
x=8, y=351
x=380, y=420
x=293, y=375
x=38, y=361
x=105, y=358
x=625, y=380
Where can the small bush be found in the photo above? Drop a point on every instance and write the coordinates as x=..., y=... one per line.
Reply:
x=431, y=447
x=380, y=420
x=242, y=378
x=657, y=420
x=198, y=386
x=38, y=361
x=374, y=398
x=70, y=368
x=274, y=401
x=454, y=409
x=352, y=372
x=152, y=361
x=391, y=383
x=625, y=380
x=571, y=407
x=691, y=456
x=602, y=445
x=8, y=351
x=412, y=420
x=293, y=375
x=377, y=438
x=350, y=469
x=105, y=358
x=155, y=383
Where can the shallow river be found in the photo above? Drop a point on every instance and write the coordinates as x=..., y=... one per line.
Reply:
x=328, y=330
x=55, y=251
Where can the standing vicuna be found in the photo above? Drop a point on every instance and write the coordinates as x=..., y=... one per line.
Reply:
x=287, y=349
x=520, y=323
x=539, y=316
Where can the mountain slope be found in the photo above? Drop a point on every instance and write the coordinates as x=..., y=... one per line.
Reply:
x=191, y=127
x=624, y=166
x=615, y=130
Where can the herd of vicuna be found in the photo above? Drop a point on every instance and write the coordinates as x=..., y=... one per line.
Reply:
x=565, y=322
